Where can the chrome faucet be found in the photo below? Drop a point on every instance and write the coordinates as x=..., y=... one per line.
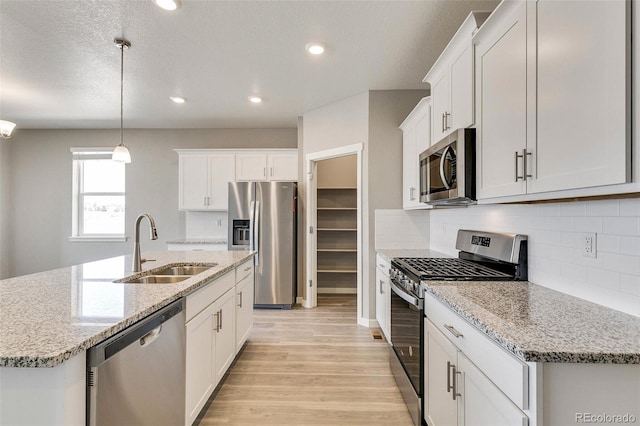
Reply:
x=137, y=261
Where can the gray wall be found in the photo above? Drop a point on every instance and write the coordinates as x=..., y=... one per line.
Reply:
x=5, y=235
x=40, y=188
x=371, y=118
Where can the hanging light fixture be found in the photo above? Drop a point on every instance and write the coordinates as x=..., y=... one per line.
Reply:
x=121, y=153
x=6, y=127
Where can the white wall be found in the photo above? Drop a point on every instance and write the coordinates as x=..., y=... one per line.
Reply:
x=371, y=118
x=40, y=177
x=555, y=244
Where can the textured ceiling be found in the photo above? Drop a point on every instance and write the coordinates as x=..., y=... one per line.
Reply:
x=59, y=67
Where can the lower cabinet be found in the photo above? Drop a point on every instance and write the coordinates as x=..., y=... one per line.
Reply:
x=244, y=310
x=219, y=320
x=383, y=296
x=458, y=393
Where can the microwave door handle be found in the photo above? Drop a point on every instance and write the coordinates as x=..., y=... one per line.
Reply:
x=442, y=175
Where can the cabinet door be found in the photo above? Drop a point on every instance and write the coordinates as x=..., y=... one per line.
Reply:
x=423, y=131
x=283, y=166
x=244, y=310
x=582, y=135
x=251, y=166
x=441, y=361
x=501, y=94
x=439, y=106
x=461, y=82
x=221, y=172
x=381, y=302
x=225, y=345
x=483, y=404
x=193, y=181
x=410, y=189
x=200, y=376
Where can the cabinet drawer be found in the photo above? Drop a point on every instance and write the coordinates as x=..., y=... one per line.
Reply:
x=383, y=264
x=508, y=373
x=206, y=295
x=244, y=270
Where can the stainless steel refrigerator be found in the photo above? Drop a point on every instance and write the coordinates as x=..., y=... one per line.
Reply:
x=262, y=217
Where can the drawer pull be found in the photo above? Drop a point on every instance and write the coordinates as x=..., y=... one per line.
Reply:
x=453, y=331
x=247, y=269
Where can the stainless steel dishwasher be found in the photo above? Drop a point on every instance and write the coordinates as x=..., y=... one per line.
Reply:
x=137, y=377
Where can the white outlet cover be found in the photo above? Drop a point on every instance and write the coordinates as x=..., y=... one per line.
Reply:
x=589, y=244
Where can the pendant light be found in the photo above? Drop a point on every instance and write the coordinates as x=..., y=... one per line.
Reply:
x=121, y=153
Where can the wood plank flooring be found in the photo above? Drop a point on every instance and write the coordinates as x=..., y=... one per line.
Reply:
x=309, y=367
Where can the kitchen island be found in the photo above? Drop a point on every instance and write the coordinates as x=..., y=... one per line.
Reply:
x=48, y=320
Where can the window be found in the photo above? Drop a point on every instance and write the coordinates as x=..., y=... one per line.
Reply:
x=98, y=195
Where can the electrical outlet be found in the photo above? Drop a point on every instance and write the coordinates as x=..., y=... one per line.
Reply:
x=589, y=244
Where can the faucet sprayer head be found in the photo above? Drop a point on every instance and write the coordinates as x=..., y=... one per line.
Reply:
x=154, y=233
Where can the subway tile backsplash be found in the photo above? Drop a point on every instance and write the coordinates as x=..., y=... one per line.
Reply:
x=555, y=233
x=400, y=229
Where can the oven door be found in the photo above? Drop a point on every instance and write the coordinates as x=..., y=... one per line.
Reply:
x=407, y=326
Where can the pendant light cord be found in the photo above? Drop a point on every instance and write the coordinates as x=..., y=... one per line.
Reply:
x=121, y=93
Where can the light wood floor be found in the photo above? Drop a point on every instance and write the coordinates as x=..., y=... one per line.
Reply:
x=309, y=366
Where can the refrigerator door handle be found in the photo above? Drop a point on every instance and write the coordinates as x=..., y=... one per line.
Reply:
x=256, y=231
x=252, y=218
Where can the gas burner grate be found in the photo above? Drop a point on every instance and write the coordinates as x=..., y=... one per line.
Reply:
x=443, y=268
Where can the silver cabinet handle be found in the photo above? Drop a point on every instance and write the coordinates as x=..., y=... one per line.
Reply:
x=449, y=387
x=240, y=304
x=524, y=156
x=381, y=292
x=247, y=269
x=220, y=319
x=446, y=120
x=453, y=331
x=443, y=118
x=217, y=326
x=454, y=387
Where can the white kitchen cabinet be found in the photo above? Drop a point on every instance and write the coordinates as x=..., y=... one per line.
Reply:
x=440, y=368
x=451, y=80
x=383, y=296
x=458, y=392
x=244, y=309
x=200, y=374
x=260, y=166
x=538, y=130
x=204, y=180
x=416, y=137
x=225, y=337
x=482, y=403
x=501, y=80
x=283, y=166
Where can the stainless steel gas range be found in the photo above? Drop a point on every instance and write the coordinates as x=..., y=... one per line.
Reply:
x=483, y=256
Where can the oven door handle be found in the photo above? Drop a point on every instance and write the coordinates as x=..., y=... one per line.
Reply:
x=418, y=303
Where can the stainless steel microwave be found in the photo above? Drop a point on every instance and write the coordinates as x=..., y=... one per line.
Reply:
x=448, y=170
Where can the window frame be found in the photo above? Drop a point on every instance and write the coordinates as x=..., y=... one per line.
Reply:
x=79, y=156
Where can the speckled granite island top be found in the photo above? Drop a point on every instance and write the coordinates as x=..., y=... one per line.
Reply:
x=538, y=324
x=48, y=317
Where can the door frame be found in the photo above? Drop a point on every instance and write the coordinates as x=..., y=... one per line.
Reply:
x=311, y=162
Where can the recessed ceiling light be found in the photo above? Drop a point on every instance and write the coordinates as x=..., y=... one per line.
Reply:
x=168, y=4
x=315, y=48
x=178, y=99
x=255, y=99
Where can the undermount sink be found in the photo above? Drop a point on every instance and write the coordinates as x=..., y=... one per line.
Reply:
x=158, y=279
x=169, y=275
x=183, y=270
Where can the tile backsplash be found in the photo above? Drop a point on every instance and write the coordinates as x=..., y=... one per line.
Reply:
x=556, y=241
x=399, y=229
x=206, y=224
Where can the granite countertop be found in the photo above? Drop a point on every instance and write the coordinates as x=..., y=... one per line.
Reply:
x=48, y=317
x=199, y=241
x=389, y=254
x=538, y=324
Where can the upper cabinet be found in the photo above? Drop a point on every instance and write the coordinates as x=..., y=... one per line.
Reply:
x=204, y=180
x=553, y=97
x=451, y=80
x=260, y=166
x=416, y=137
x=204, y=174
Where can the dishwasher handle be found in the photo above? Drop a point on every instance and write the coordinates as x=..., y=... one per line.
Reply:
x=145, y=331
